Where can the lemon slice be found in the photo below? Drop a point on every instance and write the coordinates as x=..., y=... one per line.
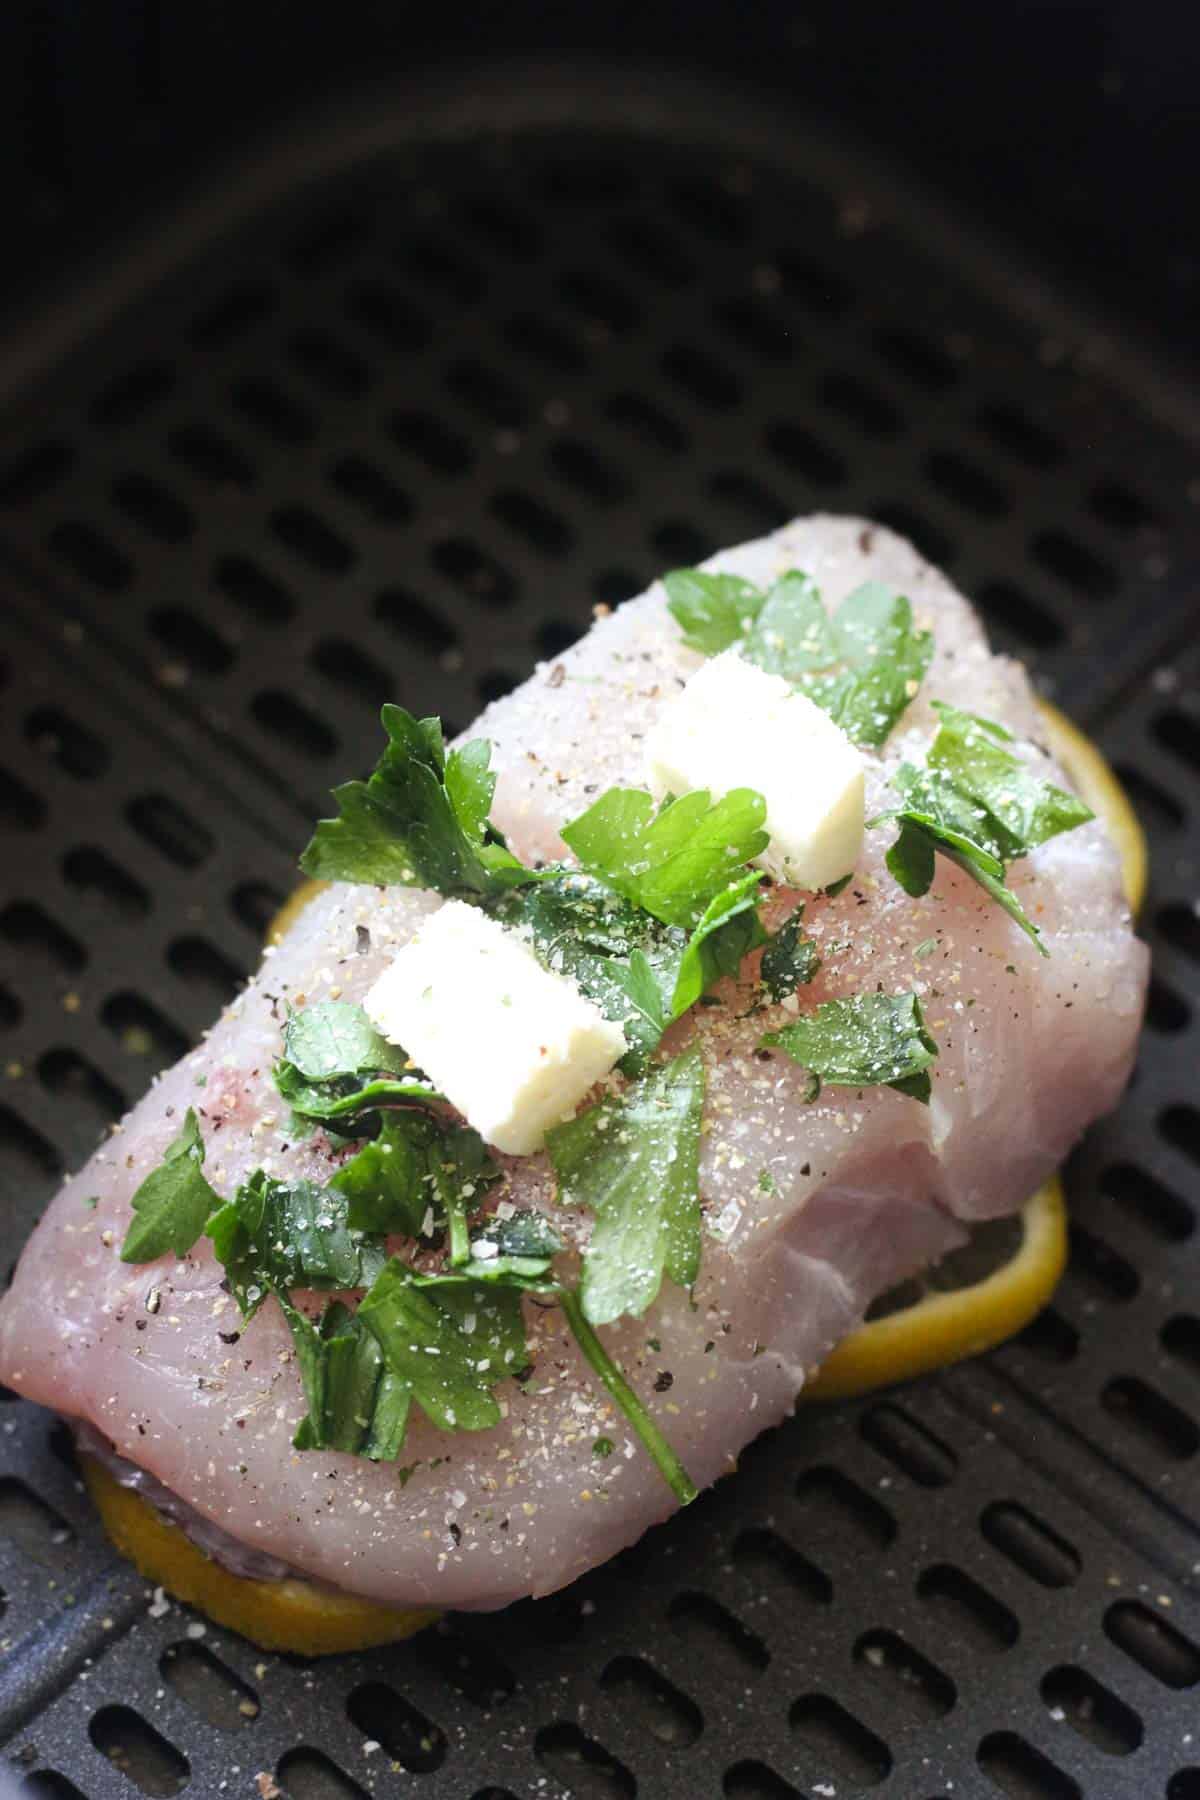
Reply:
x=1095, y=782
x=278, y=1615
x=291, y=909
x=938, y=1328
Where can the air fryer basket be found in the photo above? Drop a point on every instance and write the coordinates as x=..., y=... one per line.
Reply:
x=385, y=412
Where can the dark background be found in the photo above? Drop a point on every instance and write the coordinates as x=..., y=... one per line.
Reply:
x=1075, y=127
x=354, y=447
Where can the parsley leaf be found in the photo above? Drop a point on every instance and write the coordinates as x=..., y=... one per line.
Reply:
x=388, y=1418
x=333, y=1038
x=976, y=804
x=388, y=1184
x=792, y=635
x=671, y=860
x=444, y=1341
x=727, y=930
x=924, y=836
x=862, y=665
x=310, y=1359
x=642, y=1017
x=621, y=958
x=485, y=1303
x=420, y=820
x=274, y=1236
x=524, y=1244
x=1021, y=810
x=790, y=959
x=885, y=657
x=173, y=1203
x=634, y=1161
x=714, y=610
x=355, y=1404
x=448, y=1339
x=343, y=1107
x=641, y=973
x=331, y=1054
x=417, y=1169
x=863, y=1041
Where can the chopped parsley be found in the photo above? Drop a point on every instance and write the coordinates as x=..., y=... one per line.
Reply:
x=419, y=820
x=672, y=860
x=1020, y=810
x=976, y=804
x=418, y=1176
x=333, y=1038
x=355, y=1404
x=727, y=930
x=522, y=1244
x=449, y=1340
x=864, y=1041
x=641, y=973
x=172, y=1205
x=274, y=1236
x=441, y=1340
x=634, y=1162
x=792, y=634
x=665, y=905
x=714, y=611
x=336, y=1068
x=862, y=664
x=346, y=1109
x=617, y=955
x=790, y=959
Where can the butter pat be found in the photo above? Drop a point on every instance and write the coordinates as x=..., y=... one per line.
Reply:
x=734, y=725
x=510, y=1044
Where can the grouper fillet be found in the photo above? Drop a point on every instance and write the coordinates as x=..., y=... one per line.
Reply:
x=811, y=1207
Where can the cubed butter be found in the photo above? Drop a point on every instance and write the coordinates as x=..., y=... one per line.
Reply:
x=734, y=725
x=512, y=1045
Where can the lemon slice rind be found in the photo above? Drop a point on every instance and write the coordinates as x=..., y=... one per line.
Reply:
x=1095, y=782
x=945, y=1328
x=296, y=1616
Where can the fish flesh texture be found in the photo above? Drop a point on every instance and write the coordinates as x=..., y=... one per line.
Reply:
x=860, y=1188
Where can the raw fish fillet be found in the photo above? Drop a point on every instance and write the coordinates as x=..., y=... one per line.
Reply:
x=864, y=1189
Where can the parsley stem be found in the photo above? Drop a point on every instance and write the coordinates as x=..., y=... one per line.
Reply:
x=456, y=1214
x=669, y=1465
x=460, y=1241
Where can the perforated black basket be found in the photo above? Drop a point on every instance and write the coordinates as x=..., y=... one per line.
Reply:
x=384, y=412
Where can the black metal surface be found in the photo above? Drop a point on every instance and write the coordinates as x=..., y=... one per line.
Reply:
x=1070, y=127
x=455, y=372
